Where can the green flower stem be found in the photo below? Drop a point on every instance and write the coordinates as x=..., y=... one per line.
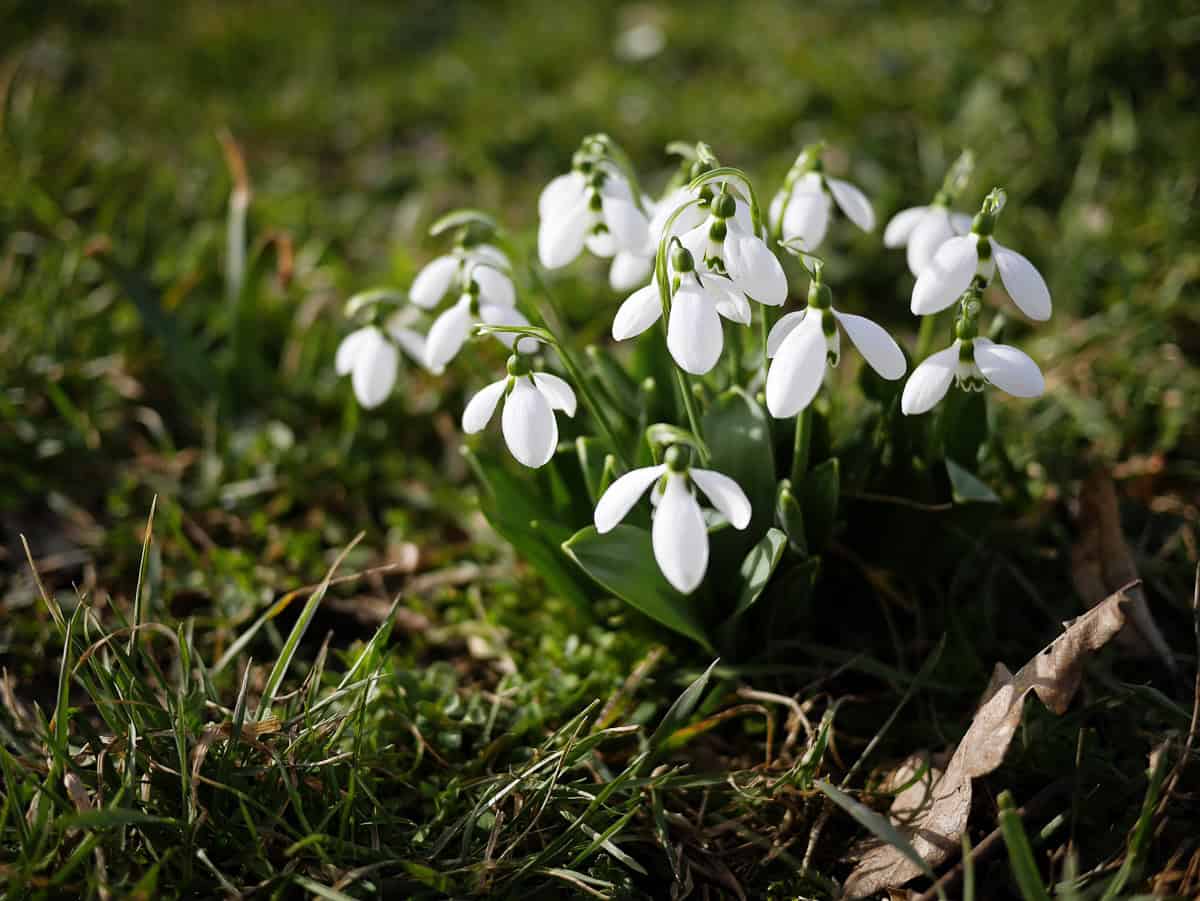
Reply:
x=765, y=330
x=689, y=404
x=925, y=336
x=800, y=446
x=577, y=375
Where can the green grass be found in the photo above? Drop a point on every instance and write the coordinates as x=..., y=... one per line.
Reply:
x=278, y=726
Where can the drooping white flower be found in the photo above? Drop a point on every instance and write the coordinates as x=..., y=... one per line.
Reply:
x=370, y=357
x=803, y=343
x=800, y=211
x=963, y=259
x=972, y=363
x=921, y=230
x=737, y=265
x=452, y=328
x=678, y=534
x=593, y=206
x=485, y=264
x=528, y=424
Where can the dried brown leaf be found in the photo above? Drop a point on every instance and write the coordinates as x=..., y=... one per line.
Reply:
x=1102, y=562
x=932, y=811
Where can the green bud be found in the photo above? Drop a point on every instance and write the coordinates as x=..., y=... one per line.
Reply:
x=681, y=259
x=819, y=295
x=724, y=206
x=675, y=459
x=518, y=366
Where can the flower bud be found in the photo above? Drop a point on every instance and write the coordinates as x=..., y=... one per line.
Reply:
x=724, y=206
x=681, y=259
x=675, y=459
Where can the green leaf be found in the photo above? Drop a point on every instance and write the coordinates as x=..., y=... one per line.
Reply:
x=597, y=465
x=822, y=488
x=968, y=488
x=622, y=561
x=1020, y=853
x=516, y=513
x=757, y=568
x=738, y=436
x=677, y=715
x=790, y=518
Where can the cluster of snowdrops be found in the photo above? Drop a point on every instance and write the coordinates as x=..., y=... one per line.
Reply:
x=701, y=259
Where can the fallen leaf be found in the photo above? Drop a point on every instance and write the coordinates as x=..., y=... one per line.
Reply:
x=1101, y=563
x=932, y=811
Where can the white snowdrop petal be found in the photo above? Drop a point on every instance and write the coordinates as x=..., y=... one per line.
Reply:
x=798, y=369
x=343, y=362
x=781, y=329
x=616, y=502
x=853, y=203
x=410, y=341
x=726, y=495
x=730, y=302
x=494, y=286
x=561, y=235
x=626, y=223
x=694, y=334
x=754, y=268
x=433, y=281
x=930, y=381
x=629, y=270
x=1009, y=369
x=961, y=223
x=374, y=370
x=561, y=192
x=806, y=219
x=557, y=391
x=878, y=348
x=1023, y=283
x=498, y=315
x=481, y=407
x=639, y=311
x=679, y=536
x=927, y=238
x=946, y=277
x=684, y=222
x=447, y=334
x=900, y=226
x=490, y=254
x=601, y=244
x=529, y=427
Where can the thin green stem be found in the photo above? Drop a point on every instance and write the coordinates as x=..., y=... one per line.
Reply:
x=689, y=404
x=925, y=336
x=589, y=401
x=764, y=330
x=801, y=446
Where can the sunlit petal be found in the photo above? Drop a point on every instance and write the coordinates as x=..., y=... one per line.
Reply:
x=1009, y=369
x=946, y=277
x=725, y=494
x=481, y=407
x=930, y=381
x=639, y=311
x=1023, y=283
x=878, y=348
x=530, y=429
x=694, y=334
x=433, y=281
x=798, y=369
x=679, y=537
x=614, y=505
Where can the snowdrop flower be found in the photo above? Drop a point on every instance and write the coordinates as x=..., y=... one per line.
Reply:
x=972, y=363
x=485, y=264
x=922, y=230
x=973, y=259
x=452, y=328
x=594, y=206
x=801, y=209
x=802, y=344
x=737, y=265
x=678, y=534
x=370, y=357
x=530, y=399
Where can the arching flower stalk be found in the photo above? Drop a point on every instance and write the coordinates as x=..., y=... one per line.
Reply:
x=679, y=534
x=801, y=209
x=596, y=205
x=972, y=260
x=530, y=399
x=803, y=344
x=972, y=362
x=370, y=355
x=714, y=269
x=922, y=230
